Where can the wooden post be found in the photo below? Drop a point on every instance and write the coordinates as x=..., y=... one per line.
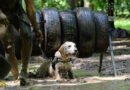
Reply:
x=111, y=23
x=111, y=13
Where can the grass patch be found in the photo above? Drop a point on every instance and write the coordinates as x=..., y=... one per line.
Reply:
x=2, y=84
x=122, y=23
x=84, y=73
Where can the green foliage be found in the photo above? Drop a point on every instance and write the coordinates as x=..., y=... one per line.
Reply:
x=38, y=4
x=122, y=23
x=63, y=4
x=83, y=73
x=59, y=4
x=2, y=84
x=99, y=4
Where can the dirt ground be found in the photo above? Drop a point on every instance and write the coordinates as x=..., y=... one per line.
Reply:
x=86, y=69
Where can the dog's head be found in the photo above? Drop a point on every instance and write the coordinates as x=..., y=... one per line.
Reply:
x=68, y=50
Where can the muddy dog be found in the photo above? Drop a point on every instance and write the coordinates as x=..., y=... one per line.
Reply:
x=13, y=17
x=60, y=68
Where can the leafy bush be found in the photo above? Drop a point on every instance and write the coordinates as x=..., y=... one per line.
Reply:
x=59, y=4
x=38, y=4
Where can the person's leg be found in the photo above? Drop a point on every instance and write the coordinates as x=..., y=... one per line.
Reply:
x=8, y=42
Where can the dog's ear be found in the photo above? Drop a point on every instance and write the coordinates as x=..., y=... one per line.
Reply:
x=58, y=54
x=62, y=52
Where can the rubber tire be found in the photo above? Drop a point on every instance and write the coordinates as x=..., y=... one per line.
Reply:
x=52, y=31
x=86, y=27
x=69, y=26
x=102, y=32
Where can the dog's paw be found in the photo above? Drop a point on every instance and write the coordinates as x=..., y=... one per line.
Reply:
x=59, y=80
x=23, y=79
x=23, y=82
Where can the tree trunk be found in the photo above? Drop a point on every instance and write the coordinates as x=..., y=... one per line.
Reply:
x=72, y=3
x=75, y=3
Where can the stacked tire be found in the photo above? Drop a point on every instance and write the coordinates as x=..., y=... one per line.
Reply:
x=69, y=26
x=88, y=29
x=102, y=32
x=52, y=31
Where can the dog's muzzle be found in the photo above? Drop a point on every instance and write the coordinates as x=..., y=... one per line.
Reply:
x=75, y=52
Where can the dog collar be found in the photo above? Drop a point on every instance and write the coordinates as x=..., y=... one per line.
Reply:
x=57, y=60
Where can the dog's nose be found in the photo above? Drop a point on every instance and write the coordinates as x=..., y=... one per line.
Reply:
x=76, y=51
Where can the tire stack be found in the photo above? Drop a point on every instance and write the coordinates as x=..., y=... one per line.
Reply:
x=52, y=31
x=69, y=26
x=88, y=29
x=102, y=32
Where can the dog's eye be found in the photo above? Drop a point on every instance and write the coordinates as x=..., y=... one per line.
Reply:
x=69, y=46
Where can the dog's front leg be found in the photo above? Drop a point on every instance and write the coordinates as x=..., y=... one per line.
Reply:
x=58, y=76
x=70, y=74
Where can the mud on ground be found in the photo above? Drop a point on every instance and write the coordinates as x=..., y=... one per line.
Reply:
x=86, y=69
